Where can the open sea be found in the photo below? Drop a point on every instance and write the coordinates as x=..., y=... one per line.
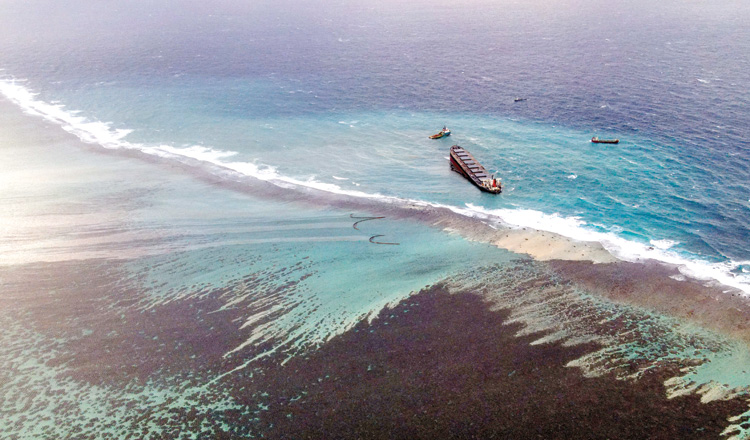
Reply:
x=226, y=219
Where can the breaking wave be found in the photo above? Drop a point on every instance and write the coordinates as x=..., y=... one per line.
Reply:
x=104, y=135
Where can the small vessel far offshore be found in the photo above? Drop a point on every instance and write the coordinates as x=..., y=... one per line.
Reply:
x=464, y=164
x=596, y=140
x=443, y=133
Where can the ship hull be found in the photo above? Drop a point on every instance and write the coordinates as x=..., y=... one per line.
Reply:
x=466, y=165
x=440, y=135
x=605, y=141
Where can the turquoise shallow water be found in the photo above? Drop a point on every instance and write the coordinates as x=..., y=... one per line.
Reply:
x=174, y=237
x=185, y=237
x=345, y=101
x=145, y=296
x=641, y=198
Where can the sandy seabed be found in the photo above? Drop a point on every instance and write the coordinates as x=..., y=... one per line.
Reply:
x=438, y=365
x=443, y=365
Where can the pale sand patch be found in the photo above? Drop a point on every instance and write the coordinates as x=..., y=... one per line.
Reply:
x=651, y=285
x=545, y=246
x=539, y=245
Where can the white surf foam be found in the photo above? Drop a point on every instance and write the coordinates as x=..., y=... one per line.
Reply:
x=103, y=134
x=88, y=131
x=627, y=250
x=663, y=244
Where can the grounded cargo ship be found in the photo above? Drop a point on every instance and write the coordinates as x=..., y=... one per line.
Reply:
x=464, y=163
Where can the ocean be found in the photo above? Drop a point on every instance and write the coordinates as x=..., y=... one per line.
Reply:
x=227, y=220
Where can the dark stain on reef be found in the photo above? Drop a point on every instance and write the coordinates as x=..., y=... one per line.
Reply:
x=444, y=365
x=653, y=285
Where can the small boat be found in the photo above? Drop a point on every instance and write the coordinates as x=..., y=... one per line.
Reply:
x=519, y=99
x=443, y=133
x=596, y=140
x=464, y=164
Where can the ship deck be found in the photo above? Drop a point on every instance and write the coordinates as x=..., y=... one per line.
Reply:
x=465, y=164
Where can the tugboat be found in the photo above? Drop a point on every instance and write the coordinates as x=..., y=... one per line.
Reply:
x=596, y=140
x=443, y=133
x=464, y=164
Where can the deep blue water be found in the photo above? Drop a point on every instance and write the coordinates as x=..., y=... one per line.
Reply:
x=212, y=99
x=346, y=94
